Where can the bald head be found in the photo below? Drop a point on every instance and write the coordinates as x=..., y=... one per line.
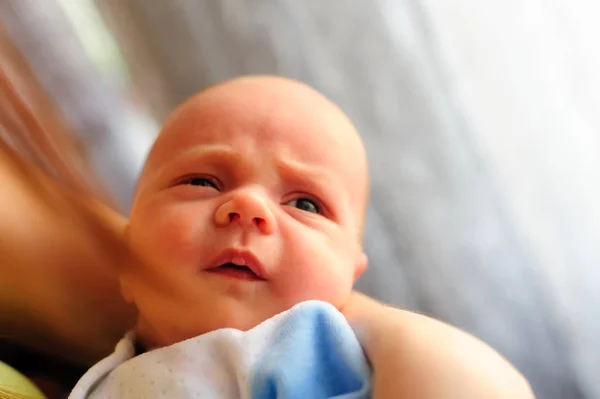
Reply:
x=266, y=109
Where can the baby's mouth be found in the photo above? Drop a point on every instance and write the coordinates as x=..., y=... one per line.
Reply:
x=232, y=270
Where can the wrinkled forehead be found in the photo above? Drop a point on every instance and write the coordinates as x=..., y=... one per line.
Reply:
x=312, y=130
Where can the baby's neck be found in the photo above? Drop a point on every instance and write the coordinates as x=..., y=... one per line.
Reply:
x=146, y=337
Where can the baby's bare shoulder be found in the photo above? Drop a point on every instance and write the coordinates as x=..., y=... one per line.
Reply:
x=419, y=357
x=440, y=361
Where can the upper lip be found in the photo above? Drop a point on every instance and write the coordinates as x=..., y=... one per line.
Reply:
x=239, y=257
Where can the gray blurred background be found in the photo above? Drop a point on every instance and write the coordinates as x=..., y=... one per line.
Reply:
x=480, y=119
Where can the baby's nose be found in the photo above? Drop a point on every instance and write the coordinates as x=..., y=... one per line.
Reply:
x=249, y=209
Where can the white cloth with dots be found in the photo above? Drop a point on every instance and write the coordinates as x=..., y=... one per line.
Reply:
x=309, y=351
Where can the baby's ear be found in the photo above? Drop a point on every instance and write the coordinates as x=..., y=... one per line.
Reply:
x=361, y=264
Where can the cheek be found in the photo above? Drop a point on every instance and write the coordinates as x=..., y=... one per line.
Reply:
x=169, y=232
x=317, y=266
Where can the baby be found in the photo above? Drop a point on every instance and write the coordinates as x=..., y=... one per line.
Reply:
x=245, y=236
x=245, y=240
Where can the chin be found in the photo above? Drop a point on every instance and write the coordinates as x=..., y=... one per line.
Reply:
x=243, y=322
x=238, y=317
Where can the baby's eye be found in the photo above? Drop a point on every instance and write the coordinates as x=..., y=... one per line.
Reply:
x=201, y=181
x=304, y=204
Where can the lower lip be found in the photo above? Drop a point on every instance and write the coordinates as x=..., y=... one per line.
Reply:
x=238, y=274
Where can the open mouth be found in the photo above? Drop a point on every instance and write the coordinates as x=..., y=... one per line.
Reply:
x=232, y=270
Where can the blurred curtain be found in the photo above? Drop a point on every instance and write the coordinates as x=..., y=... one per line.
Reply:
x=103, y=121
x=31, y=126
x=480, y=120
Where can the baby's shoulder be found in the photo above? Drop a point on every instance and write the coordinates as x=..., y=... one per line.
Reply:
x=447, y=362
x=420, y=357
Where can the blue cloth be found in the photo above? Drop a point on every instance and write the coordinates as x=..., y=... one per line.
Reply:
x=315, y=354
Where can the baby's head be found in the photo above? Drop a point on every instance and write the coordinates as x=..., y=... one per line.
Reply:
x=251, y=201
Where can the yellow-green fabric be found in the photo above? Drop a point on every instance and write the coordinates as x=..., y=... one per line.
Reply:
x=11, y=381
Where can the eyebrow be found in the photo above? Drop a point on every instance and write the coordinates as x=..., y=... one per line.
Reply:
x=316, y=178
x=209, y=151
x=294, y=169
x=213, y=153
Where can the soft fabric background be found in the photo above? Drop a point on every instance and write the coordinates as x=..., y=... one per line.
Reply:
x=480, y=120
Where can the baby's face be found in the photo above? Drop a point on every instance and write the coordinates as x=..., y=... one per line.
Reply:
x=252, y=201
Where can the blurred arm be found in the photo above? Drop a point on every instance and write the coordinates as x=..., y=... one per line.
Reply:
x=58, y=246
x=58, y=252
x=417, y=357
